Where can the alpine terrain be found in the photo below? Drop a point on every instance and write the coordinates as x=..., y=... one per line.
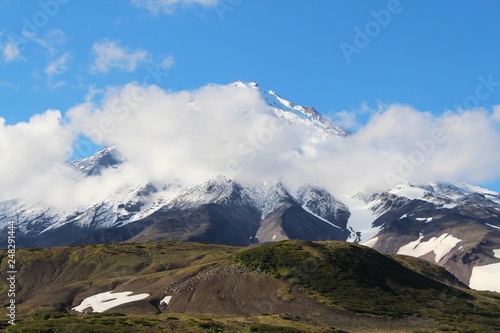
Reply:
x=288, y=286
x=453, y=225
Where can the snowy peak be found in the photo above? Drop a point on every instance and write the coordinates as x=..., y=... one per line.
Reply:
x=461, y=190
x=265, y=198
x=95, y=164
x=241, y=84
x=446, y=194
x=292, y=112
x=322, y=204
x=215, y=190
x=270, y=197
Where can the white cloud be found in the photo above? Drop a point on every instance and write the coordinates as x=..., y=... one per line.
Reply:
x=347, y=119
x=189, y=136
x=109, y=55
x=190, y=141
x=496, y=113
x=30, y=151
x=403, y=144
x=353, y=119
x=168, y=62
x=49, y=41
x=56, y=84
x=11, y=52
x=10, y=85
x=173, y=128
x=58, y=66
x=169, y=6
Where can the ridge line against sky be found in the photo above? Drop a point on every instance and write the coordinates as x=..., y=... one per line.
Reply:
x=350, y=60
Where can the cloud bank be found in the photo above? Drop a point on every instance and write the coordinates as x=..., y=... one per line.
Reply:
x=187, y=137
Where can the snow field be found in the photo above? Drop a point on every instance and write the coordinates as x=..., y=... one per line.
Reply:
x=441, y=246
x=108, y=300
x=486, y=277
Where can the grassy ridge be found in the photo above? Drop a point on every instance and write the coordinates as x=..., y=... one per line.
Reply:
x=49, y=278
x=359, y=279
x=340, y=275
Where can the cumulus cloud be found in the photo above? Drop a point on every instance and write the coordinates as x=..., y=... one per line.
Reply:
x=185, y=136
x=109, y=55
x=188, y=136
x=11, y=52
x=58, y=66
x=400, y=144
x=169, y=6
x=29, y=152
x=496, y=113
x=168, y=62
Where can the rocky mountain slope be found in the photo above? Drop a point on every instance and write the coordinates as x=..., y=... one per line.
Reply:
x=308, y=286
x=218, y=211
x=456, y=226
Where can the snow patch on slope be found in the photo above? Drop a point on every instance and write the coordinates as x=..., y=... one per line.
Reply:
x=108, y=300
x=486, y=277
x=166, y=300
x=422, y=219
x=468, y=188
x=493, y=226
x=371, y=242
x=319, y=217
x=409, y=192
x=441, y=246
x=361, y=219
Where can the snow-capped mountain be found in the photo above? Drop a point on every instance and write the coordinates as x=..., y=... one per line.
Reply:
x=455, y=225
x=44, y=226
x=287, y=110
x=94, y=164
x=452, y=224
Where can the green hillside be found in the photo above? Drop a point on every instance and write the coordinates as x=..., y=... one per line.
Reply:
x=290, y=286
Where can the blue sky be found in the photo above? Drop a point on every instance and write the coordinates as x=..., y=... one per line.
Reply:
x=431, y=55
